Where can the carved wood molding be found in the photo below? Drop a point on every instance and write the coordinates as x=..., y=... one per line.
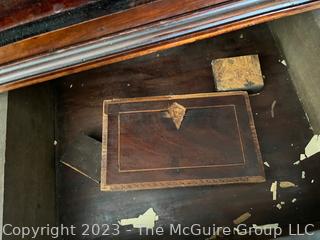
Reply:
x=147, y=38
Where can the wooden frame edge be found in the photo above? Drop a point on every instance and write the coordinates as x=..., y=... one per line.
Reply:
x=161, y=46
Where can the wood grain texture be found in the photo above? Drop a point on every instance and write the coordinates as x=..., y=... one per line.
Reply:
x=216, y=143
x=237, y=73
x=17, y=12
x=185, y=70
x=41, y=73
x=100, y=27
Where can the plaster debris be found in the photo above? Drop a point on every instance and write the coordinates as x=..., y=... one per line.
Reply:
x=296, y=163
x=294, y=200
x=313, y=146
x=244, y=217
x=307, y=116
x=283, y=62
x=273, y=189
x=302, y=157
x=146, y=220
x=267, y=164
x=279, y=206
x=303, y=174
x=287, y=184
x=272, y=108
x=266, y=227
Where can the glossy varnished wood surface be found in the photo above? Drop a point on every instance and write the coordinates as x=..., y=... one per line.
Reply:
x=100, y=27
x=17, y=12
x=215, y=144
x=183, y=70
x=125, y=30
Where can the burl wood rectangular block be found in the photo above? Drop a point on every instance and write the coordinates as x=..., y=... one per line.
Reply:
x=238, y=73
x=179, y=141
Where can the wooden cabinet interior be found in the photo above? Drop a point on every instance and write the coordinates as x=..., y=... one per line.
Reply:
x=91, y=44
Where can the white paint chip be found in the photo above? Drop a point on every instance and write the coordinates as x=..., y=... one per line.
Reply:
x=294, y=200
x=71, y=86
x=146, y=220
x=303, y=174
x=244, y=217
x=287, y=184
x=279, y=206
x=241, y=36
x=55, y=142
x=282, y=203
x=273, y=189
x=312, y=181
x=272, y=108
x=302, y=157
x=267, y=164
x=296, y=163
x=313, y=146
x=283, y=62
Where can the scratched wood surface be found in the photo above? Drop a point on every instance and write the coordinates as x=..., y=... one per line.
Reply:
x=184, y=70
x=215, y=144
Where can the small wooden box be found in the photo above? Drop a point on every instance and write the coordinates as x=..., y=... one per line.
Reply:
x=182, y=140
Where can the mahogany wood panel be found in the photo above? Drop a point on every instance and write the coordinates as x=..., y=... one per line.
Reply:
x=17, y=12
x=38, y=73
x=100, y=27
x=184, y=70
x=216, y=142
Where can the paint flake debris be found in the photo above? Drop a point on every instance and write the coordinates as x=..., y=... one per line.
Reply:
x=294, y=200
x=272, y=108
x=312, y=181
x=267, y=164
x=244, y=217
x=287, y=184
x=313, y=146
x=273, y=189
x=302, y=157
x=55, y=142
x=283, y=62
x=241, y=36
x=71, y=86
x=282, y=203
x=303, y=174
x=266, y=227
x=296, y=163
x=279, y=206
x=146, y=220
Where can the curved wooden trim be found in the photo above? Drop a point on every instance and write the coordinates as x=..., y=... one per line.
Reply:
x=178, y=40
